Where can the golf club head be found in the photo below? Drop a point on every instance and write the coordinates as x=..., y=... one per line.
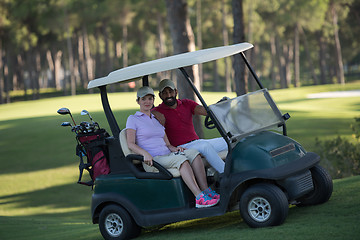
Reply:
x=85, y=112
x=63, y=111
x=66, y=124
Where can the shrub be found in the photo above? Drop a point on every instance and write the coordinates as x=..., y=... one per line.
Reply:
x=340, y=156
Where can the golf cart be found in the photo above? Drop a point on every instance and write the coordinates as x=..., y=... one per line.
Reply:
x=265, y=170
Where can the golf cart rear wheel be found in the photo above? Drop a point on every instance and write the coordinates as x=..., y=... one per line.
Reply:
x=264, y=205
x=116, y=223
x=323, y=187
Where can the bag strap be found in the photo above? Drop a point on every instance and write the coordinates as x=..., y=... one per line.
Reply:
x=80, y=152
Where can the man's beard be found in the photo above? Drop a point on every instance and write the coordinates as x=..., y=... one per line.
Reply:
x=170, y=103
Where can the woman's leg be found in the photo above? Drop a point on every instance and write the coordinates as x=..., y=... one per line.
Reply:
x=199, y=171
x=187, y=175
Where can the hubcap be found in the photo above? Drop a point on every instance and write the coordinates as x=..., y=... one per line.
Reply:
x=114, y=224
x=259, y=209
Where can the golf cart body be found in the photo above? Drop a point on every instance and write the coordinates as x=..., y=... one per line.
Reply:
x=264, y=170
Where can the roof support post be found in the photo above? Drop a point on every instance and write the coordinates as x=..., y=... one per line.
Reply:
x=108, y=112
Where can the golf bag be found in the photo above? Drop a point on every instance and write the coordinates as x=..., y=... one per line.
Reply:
x=92, y=145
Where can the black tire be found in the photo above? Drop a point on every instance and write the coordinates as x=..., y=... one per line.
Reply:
x=323, y=187
x=264, y=205
x=116, y=223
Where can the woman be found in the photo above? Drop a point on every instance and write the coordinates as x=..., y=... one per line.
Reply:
x=146, y=136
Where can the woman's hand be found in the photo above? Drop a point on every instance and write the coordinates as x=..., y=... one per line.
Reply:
x=176, y=149
x=148, y=159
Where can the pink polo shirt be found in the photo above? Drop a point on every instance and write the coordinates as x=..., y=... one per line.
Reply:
x=179, y=126
x=149, y=133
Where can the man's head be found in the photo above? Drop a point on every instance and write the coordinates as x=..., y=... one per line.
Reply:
x=167, y=92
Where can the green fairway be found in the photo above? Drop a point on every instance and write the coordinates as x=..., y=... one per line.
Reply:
x=39, y=197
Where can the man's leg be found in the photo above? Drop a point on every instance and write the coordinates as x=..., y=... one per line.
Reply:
x=208, y=151
x=218, y=144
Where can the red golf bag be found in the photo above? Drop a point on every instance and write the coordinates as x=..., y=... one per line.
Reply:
x=92, y=146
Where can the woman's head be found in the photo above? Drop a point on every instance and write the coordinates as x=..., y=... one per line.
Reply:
x=143, y=91
x=145, y=98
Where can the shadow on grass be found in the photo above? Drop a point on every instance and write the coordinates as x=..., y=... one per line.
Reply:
x=56, y=197
x=41, y=143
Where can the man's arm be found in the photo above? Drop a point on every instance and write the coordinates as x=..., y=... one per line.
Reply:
x=159, y=116
x=200, y=110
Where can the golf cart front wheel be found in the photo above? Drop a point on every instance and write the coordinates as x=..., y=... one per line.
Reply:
x=323, y=187
x=116, y=223
x=264, y=205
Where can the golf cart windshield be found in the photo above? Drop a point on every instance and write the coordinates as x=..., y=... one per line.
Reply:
x=247, y=114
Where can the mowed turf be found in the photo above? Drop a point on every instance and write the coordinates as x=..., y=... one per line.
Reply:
x=39, y=197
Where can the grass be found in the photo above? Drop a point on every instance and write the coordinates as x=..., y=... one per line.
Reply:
x=39, y=197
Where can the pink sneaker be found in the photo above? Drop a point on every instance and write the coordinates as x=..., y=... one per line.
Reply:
x=211, y=193
x=205, y=201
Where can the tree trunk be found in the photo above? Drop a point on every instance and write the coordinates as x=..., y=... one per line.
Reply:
x=108, y=63
x=58, y=75
x=2, y=79
x=249, y=54
x=70, y=55
x=82, y=63
x=98, y=63
x=31, y=69
x=51, y=66
x=310, y=62
x=288, y=57
x=239, y=37
x=216, y=87
x=161, y=46
x=273, y=61
x=6, y=80
x=281, y=63
x=89, y=61
x=226, y=42
x=183, y=41
x=322, y=57
x=199, y=39
x=338, y=54
x=125, y=50
x=296, y=57
x=37, y=74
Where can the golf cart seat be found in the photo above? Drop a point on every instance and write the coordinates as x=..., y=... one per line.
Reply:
x=123, y=143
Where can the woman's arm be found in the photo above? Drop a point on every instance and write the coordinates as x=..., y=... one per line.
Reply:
x=130, y=138
x=171, y=147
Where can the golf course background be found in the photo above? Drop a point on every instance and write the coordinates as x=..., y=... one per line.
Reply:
x=39, y=197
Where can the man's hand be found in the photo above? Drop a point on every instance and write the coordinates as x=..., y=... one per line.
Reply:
x=159, y=116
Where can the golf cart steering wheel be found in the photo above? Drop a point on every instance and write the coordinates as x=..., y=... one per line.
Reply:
x=208, y=122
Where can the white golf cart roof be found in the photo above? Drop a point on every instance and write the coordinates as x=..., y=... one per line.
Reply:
x=137, y=71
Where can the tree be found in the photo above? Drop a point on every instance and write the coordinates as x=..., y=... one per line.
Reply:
x=183, y=41
x=239, y=37
x=338, y=55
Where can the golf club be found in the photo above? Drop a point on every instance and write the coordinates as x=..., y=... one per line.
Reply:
x=85, y=112
x=64, y=111
x=65, y=124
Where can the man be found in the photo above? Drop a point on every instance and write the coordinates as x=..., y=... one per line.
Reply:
x=176, y=116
